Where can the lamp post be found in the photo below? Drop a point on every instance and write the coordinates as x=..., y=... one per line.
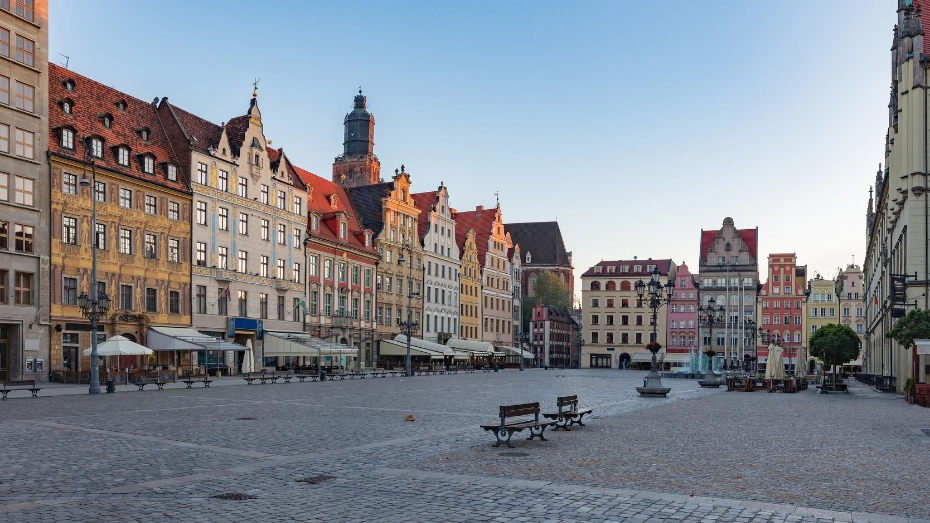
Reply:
x=524, y=341
x=711, y=316
x=750, y=327
x=656, y=295
x=96, y=305
x=764, y=335
x=408, y=327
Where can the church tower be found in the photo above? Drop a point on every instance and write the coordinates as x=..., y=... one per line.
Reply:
x=358, y=164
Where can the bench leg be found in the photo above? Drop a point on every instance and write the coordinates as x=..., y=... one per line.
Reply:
x=141, y=386
x=161, y=386
x=562, y=422
x=537, y=432
x=5, y=392
x=500, y=433
x=577, y=420
x=206, y=384
x=190, y=385
x=35, y=393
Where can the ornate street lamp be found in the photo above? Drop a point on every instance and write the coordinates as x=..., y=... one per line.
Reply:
x=408, y=327
x=524, y=341
x=711, y=316
x=750, y=327
x=656, y=295
x=96, y=305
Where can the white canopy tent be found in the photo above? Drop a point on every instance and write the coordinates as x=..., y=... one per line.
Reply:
x=445, y=350
x=475, y=348
x=182, y=338
x=301, y=344
x=527, y=355
x=395, y=348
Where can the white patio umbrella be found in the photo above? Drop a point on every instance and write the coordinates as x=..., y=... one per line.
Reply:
x=248, y=359
x=775, y=365
x=120, y=346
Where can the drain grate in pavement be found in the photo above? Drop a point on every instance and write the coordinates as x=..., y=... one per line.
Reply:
x=246, y=419
x=234, y=496
x=514, y=454
x=313, y=480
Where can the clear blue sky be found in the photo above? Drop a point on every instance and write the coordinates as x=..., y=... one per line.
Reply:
x=635, y=124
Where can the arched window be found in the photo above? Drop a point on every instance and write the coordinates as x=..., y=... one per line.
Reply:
x=595, y=285
x=611, y=285
x=624, y=285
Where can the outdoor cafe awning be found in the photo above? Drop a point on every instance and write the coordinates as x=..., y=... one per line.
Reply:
x=477, y=348
x=435, y=347
x=300, y=344
x=674, y=357
x=394, y=348
x=182, y=338
x=643, y=357
x=515, y=351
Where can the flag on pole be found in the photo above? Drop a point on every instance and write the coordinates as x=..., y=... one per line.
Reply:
x=303, y=304
x=875, y=296
x=226, y=292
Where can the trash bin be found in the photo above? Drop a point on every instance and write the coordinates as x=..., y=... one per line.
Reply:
x=111, y=386
x=496, y=368
x=322, y=374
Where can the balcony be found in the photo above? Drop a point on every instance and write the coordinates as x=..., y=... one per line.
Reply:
x=281, y=285
x=342, y=320
x=221, y=274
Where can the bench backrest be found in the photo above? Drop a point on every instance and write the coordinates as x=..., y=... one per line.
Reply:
x=567, y=402
x=20, y=383
x=525, y=409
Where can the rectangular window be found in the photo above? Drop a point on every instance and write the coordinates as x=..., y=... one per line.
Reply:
x=297, y=205
x=69, y=292
x=243, y=223
x=223, y=181
x=295, y=238
x=243, y=262
x=25, y=191
x=5, y=138
x=201, y=213
x=25, y=50
x=4, y=187
x=328, y=304
x=296, y=273
x=122, y=156
x=69, y=230
x=5, y=89
x=223, y=302
x=355, y=272
x=25, y=143
x=279, y=269
x=264, y=229
x=174, y=211
x=222, y=257
x=314, y=302
x=223, y=224
x=342, y=272
x=282, y=234
x=22, y=288
x=367, y=310
x=151, y=204
x=25, y=97
x=202, y=173
x=69, y=183
x=125, y=297
x=262, y=304
x=5, y=42
x=4, y=235
x=24, y=8
x=281, y=308
x=242, y=189
x=174, y=302
x=172, y=172
x=295, y=306
x=367, y=278
x=24, y=237
x=263, y=267
x=201, y=254
x=101, y=236
x=174, y=250
x=125, y=198
x=201, y=299
x=151, y=246
x=151, y=300
x=282, y=200
x=243, y=304
x=313, y=267
x=264, y=194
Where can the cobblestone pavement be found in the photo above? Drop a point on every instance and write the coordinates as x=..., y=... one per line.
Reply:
x=341, y=451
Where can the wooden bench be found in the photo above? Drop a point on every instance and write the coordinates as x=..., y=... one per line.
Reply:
x=569, y=414
x=10, y=386
x=357, y=374
x=303, y=376
x=142, y=382
x=504, y=430
x=197, y=378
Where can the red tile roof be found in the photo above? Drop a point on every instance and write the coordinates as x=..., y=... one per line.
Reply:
x=663, y=265
x=483, y=225
x=235, y=132
x=319, y=201
x=91, y=100
x=202, y=134
x=924, y=6
x=426, y=202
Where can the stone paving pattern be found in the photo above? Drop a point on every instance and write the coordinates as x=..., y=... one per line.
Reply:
x=700, y=455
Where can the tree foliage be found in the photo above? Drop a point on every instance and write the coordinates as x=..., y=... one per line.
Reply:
x=834, y=344
x=548, y=289
x=914, y=326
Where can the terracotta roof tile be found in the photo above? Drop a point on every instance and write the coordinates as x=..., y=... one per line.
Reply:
x=235, y=132
x=663, y=265
x=426, y=202
x=319, y=202
x=367, y=200
x=749, y=236
x=483, y=225
x=543, y=240
x=91, y=100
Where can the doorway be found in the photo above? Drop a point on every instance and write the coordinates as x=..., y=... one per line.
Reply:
x=70, y=344
x=4, y=353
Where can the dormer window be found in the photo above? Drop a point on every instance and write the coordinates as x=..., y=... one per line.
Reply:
x=172, y=172
x=314, y=222
x=67, y=138
x=367, y=239
x=66, y=107
x=122, y=156
x=144, y=134
x=342, y=230
x=107, y=120
x=69, y=86
x=529, y=257
x=121, y=106
x=96, y=148
x=148, y=164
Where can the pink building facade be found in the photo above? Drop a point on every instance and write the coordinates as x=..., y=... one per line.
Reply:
x=682, y=314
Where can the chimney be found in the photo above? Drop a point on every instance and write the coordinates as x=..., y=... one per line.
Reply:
x=479, y=209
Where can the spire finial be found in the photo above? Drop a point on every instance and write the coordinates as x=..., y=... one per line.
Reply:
x=255, y=87
x=498, y=198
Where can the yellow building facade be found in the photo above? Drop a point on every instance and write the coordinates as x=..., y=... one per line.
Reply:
x=821, y=308
x=469, y=288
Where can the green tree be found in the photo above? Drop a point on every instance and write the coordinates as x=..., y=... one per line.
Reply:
x=834, y=343
x=548, y=289
x=914, y=326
